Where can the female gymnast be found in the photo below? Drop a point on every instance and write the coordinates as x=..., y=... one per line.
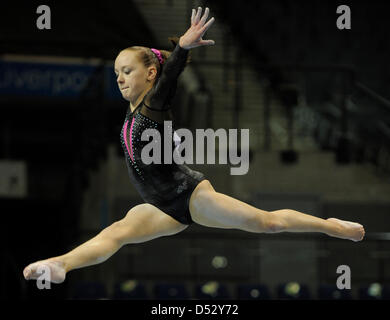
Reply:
x=175, y=196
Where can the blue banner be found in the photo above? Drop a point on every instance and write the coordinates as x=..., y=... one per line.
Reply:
x=57, y=80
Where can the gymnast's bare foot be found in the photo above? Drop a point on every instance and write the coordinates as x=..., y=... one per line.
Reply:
x=347, y=230
x=57, y=270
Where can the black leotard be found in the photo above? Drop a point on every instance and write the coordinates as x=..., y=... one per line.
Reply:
x=166, y=186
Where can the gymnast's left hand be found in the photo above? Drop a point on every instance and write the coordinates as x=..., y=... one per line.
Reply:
x=193, y=37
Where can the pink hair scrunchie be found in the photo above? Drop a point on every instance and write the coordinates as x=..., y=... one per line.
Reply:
x=158, y=54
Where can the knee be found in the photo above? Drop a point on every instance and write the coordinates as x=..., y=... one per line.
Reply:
x=275, y=223
x=268, y=222
x=118, y=229
x=121, y=230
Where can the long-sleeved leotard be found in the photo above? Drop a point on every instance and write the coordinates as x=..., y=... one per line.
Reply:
x=166, y=186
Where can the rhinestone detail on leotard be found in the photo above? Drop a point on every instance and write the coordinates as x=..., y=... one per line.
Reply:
x=135, y=123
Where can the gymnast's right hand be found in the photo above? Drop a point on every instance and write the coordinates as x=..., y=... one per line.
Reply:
x=193, y=37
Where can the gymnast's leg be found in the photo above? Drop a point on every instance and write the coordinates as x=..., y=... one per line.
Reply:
x=214, y=209
x=142, y=223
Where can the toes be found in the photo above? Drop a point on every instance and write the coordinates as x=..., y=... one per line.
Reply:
x=27, y=271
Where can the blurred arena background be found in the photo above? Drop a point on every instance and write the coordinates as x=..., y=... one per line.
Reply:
x=315, y=99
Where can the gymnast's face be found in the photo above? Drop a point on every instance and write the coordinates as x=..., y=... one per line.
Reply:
x=133, y=77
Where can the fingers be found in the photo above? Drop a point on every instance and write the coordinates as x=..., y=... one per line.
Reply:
x=192, y=16
x=196, y=20
x=207, y=42
x=197, y=17
x=205, y=15
x=207, y=25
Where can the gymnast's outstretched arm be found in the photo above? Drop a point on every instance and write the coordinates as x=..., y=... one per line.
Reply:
x=174, y=65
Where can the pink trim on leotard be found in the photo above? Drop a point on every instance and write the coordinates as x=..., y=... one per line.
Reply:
x=125, y=136
x=131, y=134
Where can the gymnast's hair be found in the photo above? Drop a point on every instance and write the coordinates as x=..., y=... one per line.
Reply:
x=148, y=58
